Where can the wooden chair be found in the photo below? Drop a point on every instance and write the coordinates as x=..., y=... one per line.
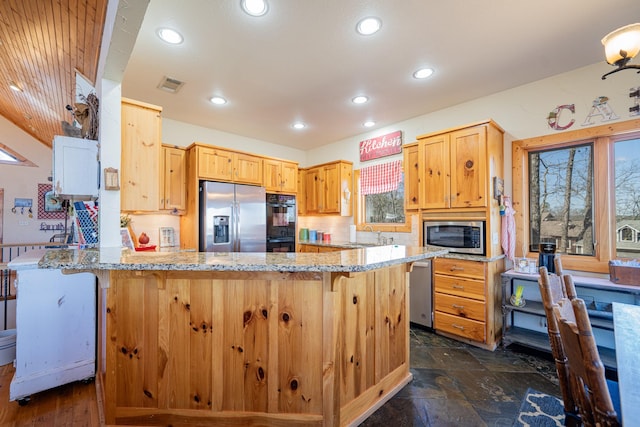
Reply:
x=552, y=290
x=587, y=379
x=569, y=287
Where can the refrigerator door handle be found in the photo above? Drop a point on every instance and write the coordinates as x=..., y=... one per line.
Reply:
x=236, y=226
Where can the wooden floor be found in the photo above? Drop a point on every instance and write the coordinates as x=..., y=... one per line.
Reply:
x=68, y=405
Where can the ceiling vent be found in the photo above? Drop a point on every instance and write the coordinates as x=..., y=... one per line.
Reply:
x=170, y=85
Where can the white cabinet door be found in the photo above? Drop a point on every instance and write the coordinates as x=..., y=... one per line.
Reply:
x=75, y=167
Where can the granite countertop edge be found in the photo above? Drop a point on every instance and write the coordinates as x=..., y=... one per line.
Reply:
x=347, y=261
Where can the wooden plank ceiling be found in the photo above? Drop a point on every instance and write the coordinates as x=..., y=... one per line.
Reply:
x=42, y=45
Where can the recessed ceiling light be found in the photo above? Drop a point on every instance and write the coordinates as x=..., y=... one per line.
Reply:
x=423, y=73
x=14, y=86
x=298, y=125
x=360, y=99
x=218, y=100
x=369, y=25
x=254, y=7
x=170, y=36
x=369, y=124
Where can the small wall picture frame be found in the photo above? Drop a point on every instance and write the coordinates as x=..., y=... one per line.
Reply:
x=127, y=240
x=111, y=181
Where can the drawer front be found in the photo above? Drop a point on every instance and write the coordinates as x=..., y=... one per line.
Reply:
x=462, y=307
x=461, y=287
x=459, y=267
x=467, y=328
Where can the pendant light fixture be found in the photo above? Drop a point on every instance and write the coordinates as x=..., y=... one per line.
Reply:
x=621, y=46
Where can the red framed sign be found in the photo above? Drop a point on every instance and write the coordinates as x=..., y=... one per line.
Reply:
x=381, y=146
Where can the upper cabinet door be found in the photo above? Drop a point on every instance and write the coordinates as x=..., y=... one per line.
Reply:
x=175, y=178
x=289, y=174
x=247, y=169
x=469, y=180
x=434, y=170
x=140, y=158
x=313, y=188
x=215, y=164
x=411, y=177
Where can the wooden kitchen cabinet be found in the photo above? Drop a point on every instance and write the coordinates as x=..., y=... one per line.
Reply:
x=312, y=189
x=456, y=166
x=174, y=178
x=302, y=191
x=140, y=156
x=328, y=188
x=467, y=300
x=225, y=165
x=411, y=176
x=280, y=176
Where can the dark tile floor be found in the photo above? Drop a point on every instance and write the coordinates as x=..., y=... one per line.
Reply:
x=455, y=384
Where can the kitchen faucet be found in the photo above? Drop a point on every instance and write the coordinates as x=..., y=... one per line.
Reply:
x=365, y=228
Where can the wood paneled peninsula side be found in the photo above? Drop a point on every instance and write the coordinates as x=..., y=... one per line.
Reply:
x=287, y=339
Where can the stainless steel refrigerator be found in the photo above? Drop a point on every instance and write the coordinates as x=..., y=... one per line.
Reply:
x=232, y=218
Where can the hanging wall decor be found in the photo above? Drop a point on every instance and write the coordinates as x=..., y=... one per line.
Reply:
x=381, y=146
x=554, y=117
x=49, y=206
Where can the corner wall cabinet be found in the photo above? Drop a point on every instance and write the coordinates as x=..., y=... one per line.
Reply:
x=527, y=325
x=328, y=188
x=174, y=178
x=467, y=300
x=140, y=158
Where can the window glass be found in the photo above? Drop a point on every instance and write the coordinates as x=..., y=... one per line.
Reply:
x=385, y=207
x=561, y=199
x=627, y=194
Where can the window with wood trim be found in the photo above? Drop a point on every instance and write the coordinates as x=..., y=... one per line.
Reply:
x=10, y=157
x=383, y=211
x=580, y=190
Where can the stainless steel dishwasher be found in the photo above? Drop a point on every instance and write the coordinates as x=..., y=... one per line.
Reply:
x=421, y=296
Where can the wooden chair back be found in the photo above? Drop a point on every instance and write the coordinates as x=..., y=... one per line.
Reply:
x=552, y=290
x=586, y=372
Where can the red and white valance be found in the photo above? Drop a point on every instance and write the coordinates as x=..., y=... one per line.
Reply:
x=380, y=178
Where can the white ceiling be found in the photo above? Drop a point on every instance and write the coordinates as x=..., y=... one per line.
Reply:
x=304, y=60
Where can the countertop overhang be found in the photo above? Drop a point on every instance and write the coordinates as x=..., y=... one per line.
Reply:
x=351, y=260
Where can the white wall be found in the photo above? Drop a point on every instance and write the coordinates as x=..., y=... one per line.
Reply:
x=22, y=182
x=184, y=134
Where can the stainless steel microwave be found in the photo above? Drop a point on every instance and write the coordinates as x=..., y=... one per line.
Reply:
x=466, y=237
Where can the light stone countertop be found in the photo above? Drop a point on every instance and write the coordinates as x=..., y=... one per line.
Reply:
x=353, y=260
x=447, y=254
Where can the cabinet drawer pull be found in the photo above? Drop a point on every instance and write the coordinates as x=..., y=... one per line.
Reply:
x=457, y=286
x=458, y=326
x=456, y=268
x=459, y=307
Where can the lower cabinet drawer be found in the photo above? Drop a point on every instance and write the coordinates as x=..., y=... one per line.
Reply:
x=462, y=307
x=467, y=328
x=468, y=288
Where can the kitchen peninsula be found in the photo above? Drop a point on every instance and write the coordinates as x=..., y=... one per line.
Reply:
x=318, y=339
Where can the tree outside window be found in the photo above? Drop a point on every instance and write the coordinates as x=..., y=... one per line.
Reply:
x=385, y=207
x=561, y=199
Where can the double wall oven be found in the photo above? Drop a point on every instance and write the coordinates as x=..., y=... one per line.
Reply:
x=281, y=223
